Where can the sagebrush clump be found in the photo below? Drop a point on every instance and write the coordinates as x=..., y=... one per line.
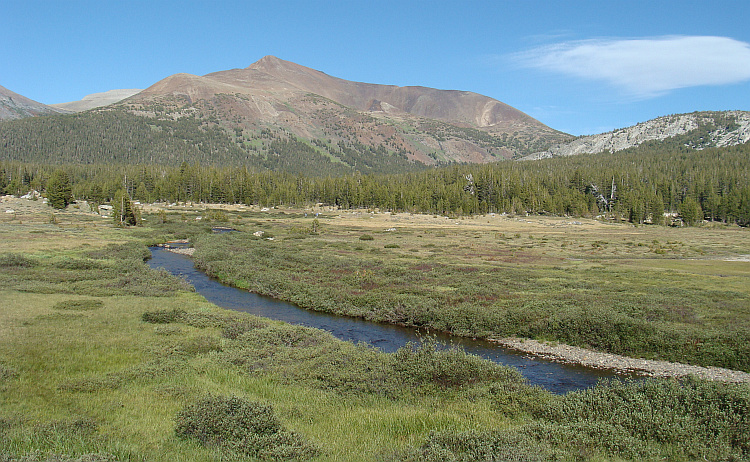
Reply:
x=236, y=425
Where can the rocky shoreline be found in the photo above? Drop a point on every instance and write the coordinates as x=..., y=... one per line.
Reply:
x=178, y=247
x=623, y=364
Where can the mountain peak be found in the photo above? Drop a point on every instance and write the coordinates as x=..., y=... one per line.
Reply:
x=273, y=92
x=270, y=62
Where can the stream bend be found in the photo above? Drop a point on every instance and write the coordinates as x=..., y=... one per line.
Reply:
x=555, y=377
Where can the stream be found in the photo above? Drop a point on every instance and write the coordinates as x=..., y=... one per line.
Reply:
x=555, y=377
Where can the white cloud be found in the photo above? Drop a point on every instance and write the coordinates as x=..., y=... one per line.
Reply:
x=647, y=67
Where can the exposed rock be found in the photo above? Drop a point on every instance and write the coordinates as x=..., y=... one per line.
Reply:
x=575, y=355
x=189, y=251
x=15, y=106
x=95, y=100
x=719, y=134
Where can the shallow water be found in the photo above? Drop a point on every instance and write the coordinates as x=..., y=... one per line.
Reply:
x=555, y=377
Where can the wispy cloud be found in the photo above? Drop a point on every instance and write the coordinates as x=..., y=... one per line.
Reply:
x=647, y=67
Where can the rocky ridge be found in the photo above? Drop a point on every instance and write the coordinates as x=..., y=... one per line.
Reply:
x=711, y=129
x=15, y=106
x=96, y=100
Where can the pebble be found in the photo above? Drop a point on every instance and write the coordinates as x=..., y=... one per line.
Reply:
x=645, y=367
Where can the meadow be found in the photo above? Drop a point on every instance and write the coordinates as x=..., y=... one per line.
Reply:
x=644, y=291
x=103, y=358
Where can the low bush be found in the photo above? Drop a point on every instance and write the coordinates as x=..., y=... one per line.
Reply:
x=7, y=372
x=167, y=330
x=77, y=264
x=200, y=345
x=202, y=320
x=479, y=447
x=237, y=327
x=236, y=425
x=705, y=420
x=163, y=316
x=15, y=260
x=78, y=305
x=427, y=363
x=366, y=237
x=39, y=456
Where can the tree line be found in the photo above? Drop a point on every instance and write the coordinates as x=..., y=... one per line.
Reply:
x=639, y=185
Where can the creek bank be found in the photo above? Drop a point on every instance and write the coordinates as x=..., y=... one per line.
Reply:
x=189, y=251
x=179, y=246
x=645, y=367
x=570, y=355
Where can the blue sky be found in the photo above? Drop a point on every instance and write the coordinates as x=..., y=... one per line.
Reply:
x=578, y=66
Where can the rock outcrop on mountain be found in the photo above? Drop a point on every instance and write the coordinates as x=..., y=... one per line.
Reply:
x=96, y=100
x=15, y=106
x=697, y=130
x=422, y=124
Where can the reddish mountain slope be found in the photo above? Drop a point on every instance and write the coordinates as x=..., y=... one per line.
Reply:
x=423, y=124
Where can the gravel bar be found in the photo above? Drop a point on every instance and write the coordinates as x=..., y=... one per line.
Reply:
x=574, y=355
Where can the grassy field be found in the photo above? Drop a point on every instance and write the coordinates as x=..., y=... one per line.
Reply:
x=102, y=358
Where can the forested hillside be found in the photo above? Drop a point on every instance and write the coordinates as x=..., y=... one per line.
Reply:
x=638, y=185
x=118, y=137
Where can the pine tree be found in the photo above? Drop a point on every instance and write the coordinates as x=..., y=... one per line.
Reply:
x=690, y=211
x=59, y=191
x=123, y=211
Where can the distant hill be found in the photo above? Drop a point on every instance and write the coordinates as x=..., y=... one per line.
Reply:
x=15, y=106
x=95, y=100
x=697, y=130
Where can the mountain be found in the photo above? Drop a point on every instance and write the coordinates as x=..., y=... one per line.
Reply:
x=96, y=100
x=420, y=124
x=697, y=130
x=15, y=106
x=278, y=115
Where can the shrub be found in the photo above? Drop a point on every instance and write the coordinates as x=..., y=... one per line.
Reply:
x=77, y=264
x=163, y=316
x=200, y=345
x=480, y=446
x=392, y=246
x=240, y=426
x=78, y=305
x=7, y=372
x=203, y=320
x=426, y=363
x=235, y=328
x=38, y=456
x=167, y=330
x=15, y=260
x=704, y=420
x=366, y=237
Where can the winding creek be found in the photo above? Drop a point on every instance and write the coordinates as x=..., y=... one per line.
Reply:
x=555, y=377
